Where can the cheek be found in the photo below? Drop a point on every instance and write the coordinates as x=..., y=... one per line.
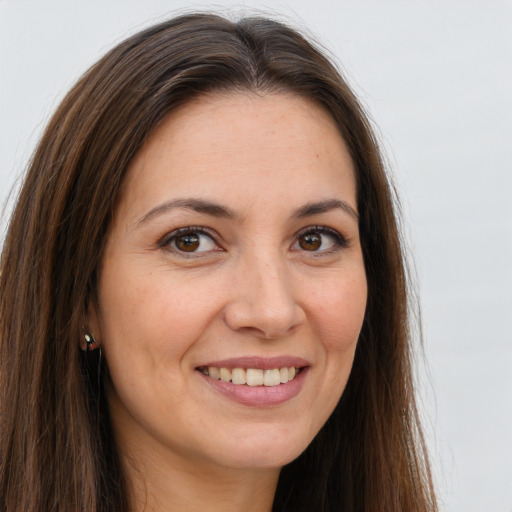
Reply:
x=152, y=314
x=339, y=308
x=340, y=316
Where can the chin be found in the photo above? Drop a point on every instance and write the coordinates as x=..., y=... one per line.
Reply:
x=268, y=450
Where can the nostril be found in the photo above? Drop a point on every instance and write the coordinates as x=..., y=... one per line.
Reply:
x=263, y=321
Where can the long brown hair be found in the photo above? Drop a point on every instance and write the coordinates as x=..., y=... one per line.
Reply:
x=57, y=451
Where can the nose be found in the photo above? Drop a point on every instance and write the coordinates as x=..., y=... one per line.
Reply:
x=264, y=300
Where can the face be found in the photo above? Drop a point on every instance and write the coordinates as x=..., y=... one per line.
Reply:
x=232, y=289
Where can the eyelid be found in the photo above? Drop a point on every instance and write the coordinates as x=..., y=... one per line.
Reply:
x=340, y=240
x=198, y=230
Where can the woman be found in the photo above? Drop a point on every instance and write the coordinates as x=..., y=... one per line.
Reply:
x=203, y=294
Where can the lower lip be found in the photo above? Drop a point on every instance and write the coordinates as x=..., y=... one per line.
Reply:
x=258, y=396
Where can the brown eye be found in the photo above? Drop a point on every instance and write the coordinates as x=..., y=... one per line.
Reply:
x=320, y=240
x=190, y=240
x=187, y=243
x=310, y=242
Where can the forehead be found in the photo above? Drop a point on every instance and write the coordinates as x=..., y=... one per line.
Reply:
x=242, y=145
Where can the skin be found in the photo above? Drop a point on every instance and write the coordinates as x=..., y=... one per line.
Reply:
x=250, y=287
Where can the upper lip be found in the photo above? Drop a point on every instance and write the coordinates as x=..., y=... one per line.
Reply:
x=264, y=363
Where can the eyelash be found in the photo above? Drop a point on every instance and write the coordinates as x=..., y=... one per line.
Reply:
x=171, y=237
x=340, y=242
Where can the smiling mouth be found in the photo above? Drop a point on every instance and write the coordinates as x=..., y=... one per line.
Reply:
x=251, y=376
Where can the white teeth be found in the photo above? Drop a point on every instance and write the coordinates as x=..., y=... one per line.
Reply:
x=254, y=377
x=271, y=377
x=214, y=372
x=225, y=374
x=238, y=376
x=251, y=376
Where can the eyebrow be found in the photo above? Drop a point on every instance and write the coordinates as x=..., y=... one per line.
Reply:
x=217, y=210
x=197, y=205
x=319, y=207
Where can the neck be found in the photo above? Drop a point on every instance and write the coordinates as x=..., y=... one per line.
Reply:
x=188, y=486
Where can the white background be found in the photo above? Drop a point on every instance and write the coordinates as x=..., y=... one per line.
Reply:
x=436, y=77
